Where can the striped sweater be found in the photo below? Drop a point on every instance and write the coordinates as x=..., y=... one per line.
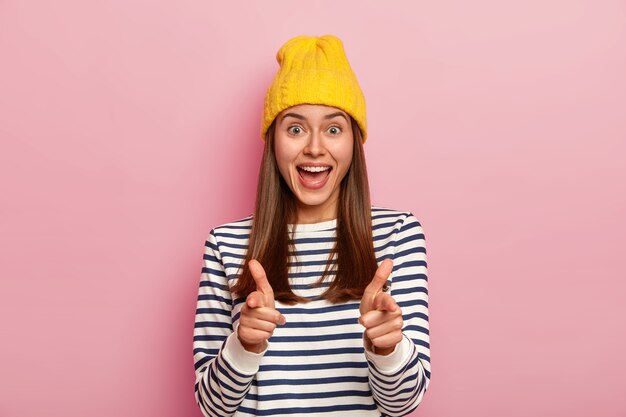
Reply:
x=315, y=364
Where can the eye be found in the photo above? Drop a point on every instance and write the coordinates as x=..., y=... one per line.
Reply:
x=295, y=129
x=335, y=130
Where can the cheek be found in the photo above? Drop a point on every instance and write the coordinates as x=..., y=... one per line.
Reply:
x=283, y=158
x=344, y=157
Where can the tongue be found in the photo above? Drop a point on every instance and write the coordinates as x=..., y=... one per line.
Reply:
x=313, y=176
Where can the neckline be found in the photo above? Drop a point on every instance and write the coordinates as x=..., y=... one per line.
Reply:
x=312, y=227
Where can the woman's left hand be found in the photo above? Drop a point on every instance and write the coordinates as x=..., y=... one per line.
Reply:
x=380, y=314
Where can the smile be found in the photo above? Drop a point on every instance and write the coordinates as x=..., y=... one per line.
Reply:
x=314, y=177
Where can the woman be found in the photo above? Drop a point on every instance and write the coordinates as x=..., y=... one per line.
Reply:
x=317, y=304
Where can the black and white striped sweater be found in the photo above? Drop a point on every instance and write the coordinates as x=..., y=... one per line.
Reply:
x=315, y=365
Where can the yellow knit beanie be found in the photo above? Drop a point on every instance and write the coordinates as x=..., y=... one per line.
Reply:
x=314, y=70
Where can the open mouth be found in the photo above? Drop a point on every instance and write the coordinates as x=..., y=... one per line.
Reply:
x=313, y=176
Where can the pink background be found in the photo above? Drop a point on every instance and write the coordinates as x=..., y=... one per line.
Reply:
x=130, y=128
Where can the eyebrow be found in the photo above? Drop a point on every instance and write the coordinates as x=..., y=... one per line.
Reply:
x=301, y=117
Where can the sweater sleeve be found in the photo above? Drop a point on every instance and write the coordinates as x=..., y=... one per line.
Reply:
x=399, y=381
x=224, y=369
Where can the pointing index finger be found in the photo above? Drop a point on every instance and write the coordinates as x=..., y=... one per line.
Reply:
x=384, y=301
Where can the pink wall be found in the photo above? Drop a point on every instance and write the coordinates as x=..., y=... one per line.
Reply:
x=129, y=129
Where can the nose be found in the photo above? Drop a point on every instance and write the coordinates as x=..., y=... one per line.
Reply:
x=315, y=145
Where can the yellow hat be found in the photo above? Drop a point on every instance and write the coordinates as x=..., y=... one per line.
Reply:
x=314, y=70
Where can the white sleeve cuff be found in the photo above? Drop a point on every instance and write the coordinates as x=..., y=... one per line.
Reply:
x=395, y=360
x=237, y=356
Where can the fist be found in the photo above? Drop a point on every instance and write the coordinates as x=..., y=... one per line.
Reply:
x=380, y=314
x=258, y=317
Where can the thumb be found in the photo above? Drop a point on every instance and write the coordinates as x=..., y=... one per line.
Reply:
x=376, y=285
x=262, y=284
x=380, y=277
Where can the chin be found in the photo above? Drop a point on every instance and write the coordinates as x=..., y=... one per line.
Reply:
x=313, y=201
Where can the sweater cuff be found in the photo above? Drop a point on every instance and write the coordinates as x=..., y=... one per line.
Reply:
x=240, y=359
x=391, y=363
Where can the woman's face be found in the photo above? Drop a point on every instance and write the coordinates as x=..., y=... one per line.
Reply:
x=313, y=144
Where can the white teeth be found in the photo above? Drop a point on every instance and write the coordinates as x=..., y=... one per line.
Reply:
x=315, y=169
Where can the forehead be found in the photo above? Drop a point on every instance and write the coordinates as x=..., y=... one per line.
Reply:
x=312, y=111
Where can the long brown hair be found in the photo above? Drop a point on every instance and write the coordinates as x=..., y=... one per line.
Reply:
x=271, y=245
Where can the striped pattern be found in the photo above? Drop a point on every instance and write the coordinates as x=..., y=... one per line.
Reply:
x=315, y=364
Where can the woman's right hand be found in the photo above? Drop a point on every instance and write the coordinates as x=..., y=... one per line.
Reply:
x=258, y=317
